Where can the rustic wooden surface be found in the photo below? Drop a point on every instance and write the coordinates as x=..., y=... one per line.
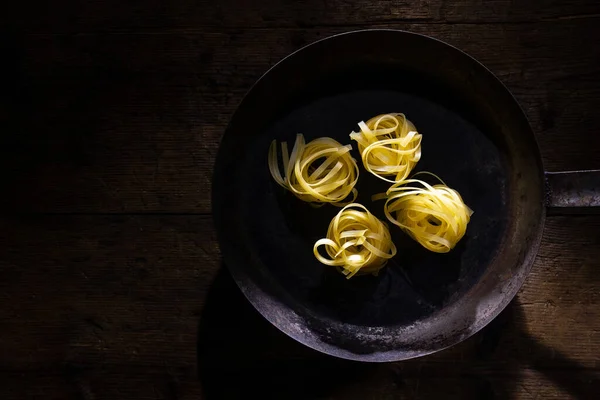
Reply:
x=111, y=283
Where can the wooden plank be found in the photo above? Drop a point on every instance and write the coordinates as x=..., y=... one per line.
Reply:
x=563, y=286
x=103, y=289
x=306, y=381
x=145, y=290
x=131, y=123
x=73, y=382
x=111, y=15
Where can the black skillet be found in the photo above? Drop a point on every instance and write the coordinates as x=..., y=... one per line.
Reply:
x=475, y=136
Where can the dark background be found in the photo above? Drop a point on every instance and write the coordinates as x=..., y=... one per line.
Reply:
x=111, y=282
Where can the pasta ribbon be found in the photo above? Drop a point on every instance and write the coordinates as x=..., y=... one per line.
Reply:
x=435, y=216
x=322, y=171
x=389, y=145
x=357, y=242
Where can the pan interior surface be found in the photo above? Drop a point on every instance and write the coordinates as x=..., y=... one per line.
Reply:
x=417, y=282
x=421, y=301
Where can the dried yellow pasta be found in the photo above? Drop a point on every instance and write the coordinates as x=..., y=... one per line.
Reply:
x=321, y=171
x=389, y=145
x=435, y=216
x=357, y=242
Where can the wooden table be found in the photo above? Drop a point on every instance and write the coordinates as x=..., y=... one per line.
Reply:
x=111, y=283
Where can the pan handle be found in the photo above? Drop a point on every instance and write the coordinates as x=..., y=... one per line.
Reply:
x=573, y=192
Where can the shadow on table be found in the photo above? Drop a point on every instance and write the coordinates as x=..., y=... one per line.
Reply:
x=505, y=340
x=240, y=354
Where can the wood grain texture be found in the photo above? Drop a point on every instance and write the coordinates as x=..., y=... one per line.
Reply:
x=375, y=383
x=114, y=15
x=111, y=281
x=134, y=298
x=118, y=286
x=132, y=123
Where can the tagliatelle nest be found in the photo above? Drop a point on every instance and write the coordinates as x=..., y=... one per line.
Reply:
x=321, y=171
x=435, y=216
x=389, y=145
x=357, y=242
